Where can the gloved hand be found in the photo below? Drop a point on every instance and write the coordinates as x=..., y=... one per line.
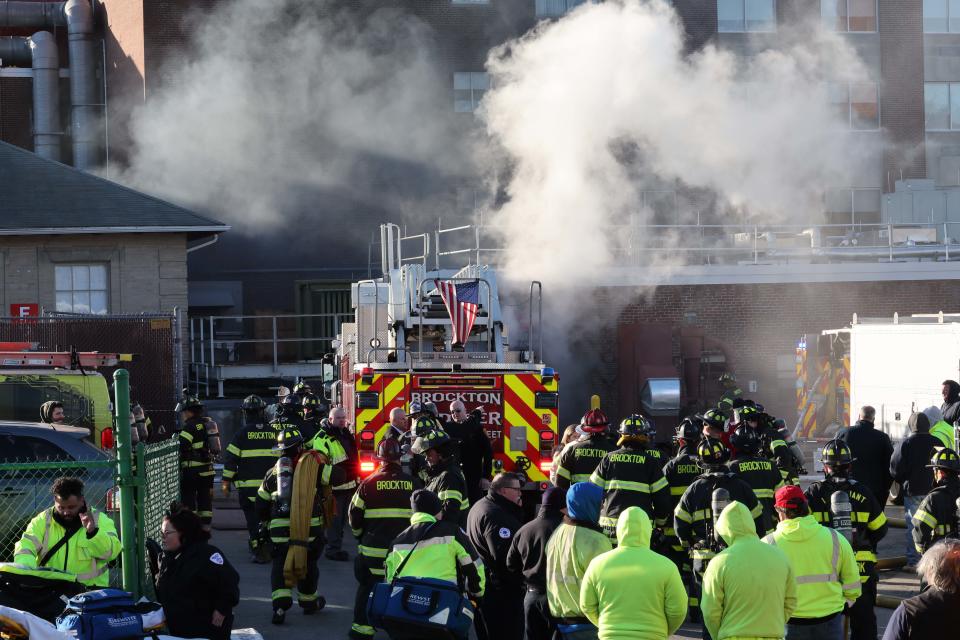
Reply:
x=225, y=488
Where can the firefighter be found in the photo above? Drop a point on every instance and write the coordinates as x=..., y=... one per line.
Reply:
x=290, y=413
x=694, y=518
x=714, y=425
x=579, y=459
x=288, y=506
x=379, y=511
x=757, y=471
x=632, y=477
x=199, y=449
x=869, y=527
x=245, y=463
x=273, y=410
x=937, y=516
x=732, y=397
x=444, y=476
x=773, y=440
x=312, y=415
x=680, y=472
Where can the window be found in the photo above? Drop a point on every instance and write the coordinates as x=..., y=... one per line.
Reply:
x=941, y=16
x=857, y=104
x=28, y=449
x=852, y=205
x=555, y=8
x=849, y=15
x=468, y=90
x=81, y=288
x=941, y=105
x=746, y=15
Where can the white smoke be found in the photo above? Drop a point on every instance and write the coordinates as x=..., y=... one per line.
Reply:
x=594, y=108
x=279, y=103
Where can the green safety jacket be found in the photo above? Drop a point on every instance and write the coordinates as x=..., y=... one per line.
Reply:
x=379, y=511
x=569, y=552
x=441, y=550
x=944, y=433
x=631, y=477
x=749, y=590
x=85, y=556
x=248, y=458
x=633, y=592
x=823, y=565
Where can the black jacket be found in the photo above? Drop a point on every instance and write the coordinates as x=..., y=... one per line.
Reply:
x=936, y=517
x=867, y=517
x=249, y=457
x=928, y=615
x=579, y=460
x=491, y=525
x=693, y=517
x=379, y=511
x=632, y=477
x=764, y=478
x=871, y=450
x=446, y=480
x=528, y=551
x=194, y=583
x=951, y=408
x=908, y=466
x=474, y=450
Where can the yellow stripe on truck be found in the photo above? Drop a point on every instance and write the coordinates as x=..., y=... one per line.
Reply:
x=513, y=418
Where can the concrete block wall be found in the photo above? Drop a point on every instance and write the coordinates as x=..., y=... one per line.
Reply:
x=759, y=323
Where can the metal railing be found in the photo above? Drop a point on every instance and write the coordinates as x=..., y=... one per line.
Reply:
x=217, y=341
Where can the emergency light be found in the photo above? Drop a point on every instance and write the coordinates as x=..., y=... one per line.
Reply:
x=547, y=374
x=367, y=467
x=366, y=375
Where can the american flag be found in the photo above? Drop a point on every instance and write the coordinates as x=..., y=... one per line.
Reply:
x=462, y=301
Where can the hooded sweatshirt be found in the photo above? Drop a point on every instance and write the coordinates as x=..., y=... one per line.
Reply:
x=571, y=548
x=633, y=592
x=735, y=604
x=951, y=406
x=940, y=429
x=823, y=565
x=908, y=466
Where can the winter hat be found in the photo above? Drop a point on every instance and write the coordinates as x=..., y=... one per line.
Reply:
x=583, y=502
x=554, y=498
x=425, y=501
x=919, y=423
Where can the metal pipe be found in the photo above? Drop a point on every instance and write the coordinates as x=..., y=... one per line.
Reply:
x=84, y=101
x=31, y=14
x=891, y=563
x=40, y=52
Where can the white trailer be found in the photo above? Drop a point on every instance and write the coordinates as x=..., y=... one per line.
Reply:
x=897, y=366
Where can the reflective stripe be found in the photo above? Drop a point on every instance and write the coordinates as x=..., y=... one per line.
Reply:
x=770, y=539
x=763, y=493
x=680, y=514
x=563, y=473
x=427, y=543
x=756, y=512
x=850, y=586
x=877, y=522
x=607, y=521
x=357, y=501
x=579, y=477
x=817, y=577
x=658, y=485
x=258, y=453
x=198, y=445
x=388, y=513
x=372, y=552
x=234, y=449
x=377, y=572
x=186, y=435
x=229, y=473
x=362, y=629
x=247, y=484
x=596, y=479
x=642, y=487
x=834, y=563
x=281, y=593
x=678, y=491
x=865, y=556
x=306, y=597
x=925, y=518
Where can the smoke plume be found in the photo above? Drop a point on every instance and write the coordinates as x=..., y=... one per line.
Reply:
x=594, y=108
x=280, y=107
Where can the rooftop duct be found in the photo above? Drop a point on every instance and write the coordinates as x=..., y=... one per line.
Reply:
x=40, y=52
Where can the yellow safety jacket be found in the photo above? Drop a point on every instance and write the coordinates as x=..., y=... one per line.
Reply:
x=87, y=557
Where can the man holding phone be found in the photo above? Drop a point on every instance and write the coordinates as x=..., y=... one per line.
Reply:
x=71, y=537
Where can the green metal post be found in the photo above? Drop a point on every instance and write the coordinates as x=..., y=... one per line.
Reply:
x=128, y=519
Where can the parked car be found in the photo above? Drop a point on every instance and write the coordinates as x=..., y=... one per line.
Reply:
x=24, y=492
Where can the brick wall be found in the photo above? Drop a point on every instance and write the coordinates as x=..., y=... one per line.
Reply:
x=759, y=323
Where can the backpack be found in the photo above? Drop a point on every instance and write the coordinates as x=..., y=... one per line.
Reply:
x=109, y=614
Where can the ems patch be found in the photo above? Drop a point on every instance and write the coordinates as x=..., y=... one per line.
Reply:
x=504, y=533
x=216, y=559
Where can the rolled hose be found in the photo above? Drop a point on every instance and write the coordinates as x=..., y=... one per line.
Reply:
x=301, y=511
x=891, y=563
x=897, y=523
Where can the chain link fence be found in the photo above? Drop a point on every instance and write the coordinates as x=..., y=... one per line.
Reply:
x=25, y=491
x=157, y=474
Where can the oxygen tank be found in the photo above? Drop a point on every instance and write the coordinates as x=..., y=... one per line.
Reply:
x=841, y=514
x=284, y=483
x=213, y=437
x=718, y=502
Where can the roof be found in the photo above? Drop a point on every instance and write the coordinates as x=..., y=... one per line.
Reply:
x=43, y=197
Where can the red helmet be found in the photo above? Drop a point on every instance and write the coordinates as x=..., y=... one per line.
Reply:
x=594, y=421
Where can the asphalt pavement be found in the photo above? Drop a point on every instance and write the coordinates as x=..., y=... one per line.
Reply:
x=338, y=585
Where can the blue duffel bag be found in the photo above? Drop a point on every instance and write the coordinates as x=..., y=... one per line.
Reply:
x=108, y=614
x=409, y=608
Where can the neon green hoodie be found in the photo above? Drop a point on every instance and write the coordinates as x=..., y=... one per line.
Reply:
x=943, y=432
x=633, y=592
x=823, y=565
x=748, y=589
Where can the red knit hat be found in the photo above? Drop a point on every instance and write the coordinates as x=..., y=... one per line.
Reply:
x=790, y=497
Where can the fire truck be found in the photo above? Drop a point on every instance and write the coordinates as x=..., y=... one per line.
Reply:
x=399, y=350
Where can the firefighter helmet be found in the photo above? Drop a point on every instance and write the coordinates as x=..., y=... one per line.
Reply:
x=946, y=459
x=836, y=453
x=728, y=378
x=436, y=439
x=302, y=388
x=389, y=450
x=189, y=403
x=594, y=421
x=748, y=412
x=746, y=440
x=713, y=418
x=689, y=429
x=425, y=425
x=309, y=400
x=291, y=400
x=712, y=452
x=283, y=391
x=288, y=439
x=253, y=403
x=637, y=426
